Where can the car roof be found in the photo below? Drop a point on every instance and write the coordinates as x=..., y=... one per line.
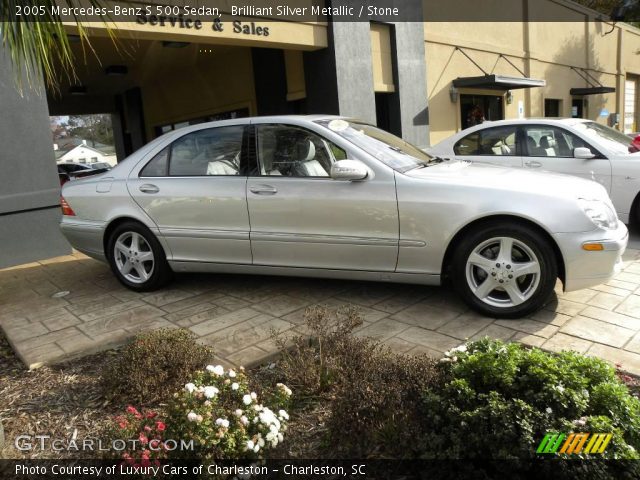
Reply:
x=538, y=120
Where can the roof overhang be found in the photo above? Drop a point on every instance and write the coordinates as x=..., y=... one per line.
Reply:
x=591, y=91
x=498, y=82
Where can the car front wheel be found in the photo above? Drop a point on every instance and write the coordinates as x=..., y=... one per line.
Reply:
x=137, y=258
x=505, y=272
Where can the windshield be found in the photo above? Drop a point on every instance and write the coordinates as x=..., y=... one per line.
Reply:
x=617, y=142
x=389, y=149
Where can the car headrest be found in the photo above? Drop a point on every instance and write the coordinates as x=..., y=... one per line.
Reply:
x=307, y=151
x=547, y=142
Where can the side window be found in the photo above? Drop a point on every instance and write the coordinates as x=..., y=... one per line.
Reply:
x=548, y=141
x=286, y=150
x=498, y=141
x=158, y=165
x=469, y=145
x=214, y=151
x=492, y=141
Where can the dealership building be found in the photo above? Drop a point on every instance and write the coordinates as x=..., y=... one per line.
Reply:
x=418, y=79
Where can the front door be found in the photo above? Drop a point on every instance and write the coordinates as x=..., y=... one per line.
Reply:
x=475, y=109
x=551, y=148
x=300, y=217
x=195, y=192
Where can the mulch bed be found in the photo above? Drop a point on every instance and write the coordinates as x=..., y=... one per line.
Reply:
x=68, y=401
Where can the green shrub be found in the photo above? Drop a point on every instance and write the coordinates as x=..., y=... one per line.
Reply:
x=501, y=399
x=224, y=418
x=154, y=365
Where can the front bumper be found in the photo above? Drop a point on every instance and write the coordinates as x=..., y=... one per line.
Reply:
x=584, y=269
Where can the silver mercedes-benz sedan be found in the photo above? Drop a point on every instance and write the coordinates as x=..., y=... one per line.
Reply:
x=334, y=197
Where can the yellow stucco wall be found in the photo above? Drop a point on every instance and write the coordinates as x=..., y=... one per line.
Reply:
x=542, y=50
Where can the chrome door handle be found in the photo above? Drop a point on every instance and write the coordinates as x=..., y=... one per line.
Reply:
x=149, y=188
x=263, y=190
x=533, y=164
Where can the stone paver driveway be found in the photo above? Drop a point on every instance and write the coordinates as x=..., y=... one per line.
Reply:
x=236, y=313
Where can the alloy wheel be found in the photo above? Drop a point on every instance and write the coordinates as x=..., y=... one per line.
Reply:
x=503, y=272
x=133, y=257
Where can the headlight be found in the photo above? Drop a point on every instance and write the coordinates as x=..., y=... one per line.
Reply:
x=600, y=213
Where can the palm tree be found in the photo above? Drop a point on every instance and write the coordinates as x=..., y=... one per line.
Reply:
x=37, y=42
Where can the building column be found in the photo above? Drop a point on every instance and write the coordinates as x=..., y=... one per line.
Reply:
x=30, y=188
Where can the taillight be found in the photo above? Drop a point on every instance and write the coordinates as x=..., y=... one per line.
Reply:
x=66, y=209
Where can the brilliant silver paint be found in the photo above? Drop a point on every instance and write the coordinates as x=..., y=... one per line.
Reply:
x=388, y=226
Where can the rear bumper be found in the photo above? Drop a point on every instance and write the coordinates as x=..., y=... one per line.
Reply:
x=85, y=236
x=584, y=269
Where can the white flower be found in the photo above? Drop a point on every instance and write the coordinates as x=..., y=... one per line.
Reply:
x=549, y=410
x=444, y=360
x=283, y=414
x=210, y=391
x=190, y=387
x=256, y=449
x=247, y=399
x=261, y=442
x=235, y=386
x=280, y=437
x=244, y=420
x=238, y=413
x=254, y=396
x=250, y=445
x=560, y=388
x=222, y=422
x=192, y=416
x=284, y=388
x=232, y=373
x=217, y=370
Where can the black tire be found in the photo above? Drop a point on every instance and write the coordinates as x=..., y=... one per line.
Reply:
x=529, y=246
x=159, y=272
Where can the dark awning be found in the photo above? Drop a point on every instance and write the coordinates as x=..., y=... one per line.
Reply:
x=591, y=91
x=498, y=82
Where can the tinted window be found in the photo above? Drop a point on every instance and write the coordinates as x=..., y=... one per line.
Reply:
x=214, y=151
x=285, y=150
x=469, y=145
x=157, y=167
x=492, y=141
x=548, y=141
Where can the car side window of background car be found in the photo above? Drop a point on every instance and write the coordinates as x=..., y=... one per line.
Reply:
x=289, y=151
x=158, y=166
x=213, y=151
x=548, y=141
x=491, y=141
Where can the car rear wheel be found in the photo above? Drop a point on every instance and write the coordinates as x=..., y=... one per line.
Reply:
x=137, y=258
x=505, y=271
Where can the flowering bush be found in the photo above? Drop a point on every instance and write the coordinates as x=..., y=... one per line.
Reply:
x=227, y=420
x=143, y=435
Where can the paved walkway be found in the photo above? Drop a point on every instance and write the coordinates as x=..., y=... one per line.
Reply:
x=236, y=313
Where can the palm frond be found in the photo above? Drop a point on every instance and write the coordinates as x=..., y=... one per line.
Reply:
x=38, y=44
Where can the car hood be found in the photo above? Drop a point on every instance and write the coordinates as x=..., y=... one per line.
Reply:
x=516, y=179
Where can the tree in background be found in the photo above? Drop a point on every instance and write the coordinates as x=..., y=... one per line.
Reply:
x=618, y=10
x=94, y=128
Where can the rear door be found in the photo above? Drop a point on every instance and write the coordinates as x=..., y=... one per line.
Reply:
x=494, y=145
x=194, y=190
x=551, y=148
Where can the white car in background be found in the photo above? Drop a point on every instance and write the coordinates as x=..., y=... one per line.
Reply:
x=573, y=146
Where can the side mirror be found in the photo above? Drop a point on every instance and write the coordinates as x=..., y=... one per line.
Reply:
x=349, y=170
x=583, y=153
